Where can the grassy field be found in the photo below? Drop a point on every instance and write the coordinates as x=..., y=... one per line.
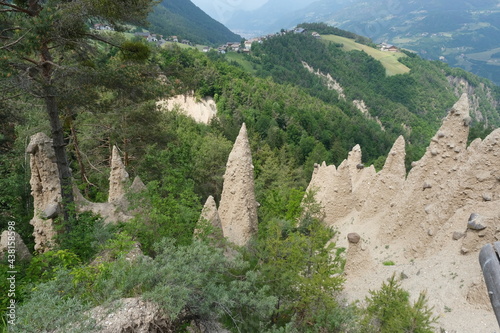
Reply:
x=486, y=56
x=238, y=57
x=388, y=59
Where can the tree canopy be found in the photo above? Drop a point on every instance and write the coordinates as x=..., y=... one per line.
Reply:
x=43, y=42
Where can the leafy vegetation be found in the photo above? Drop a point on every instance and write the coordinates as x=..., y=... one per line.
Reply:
x=389, y=310
x=289, y=278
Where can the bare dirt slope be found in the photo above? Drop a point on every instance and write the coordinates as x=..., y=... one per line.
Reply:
x=201, y=110
x=416, y=226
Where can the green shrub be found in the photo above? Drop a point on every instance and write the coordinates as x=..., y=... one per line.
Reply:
x=43, y=267
x=50, y=308
x=86, y=235
x=389, y=311
x=302, y=268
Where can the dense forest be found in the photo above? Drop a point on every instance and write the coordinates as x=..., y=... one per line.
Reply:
x=286, y=280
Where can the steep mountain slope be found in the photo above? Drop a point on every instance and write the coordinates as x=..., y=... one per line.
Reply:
x=415, y=226
x=410, y=104
x=183, y=19
x=462, y=33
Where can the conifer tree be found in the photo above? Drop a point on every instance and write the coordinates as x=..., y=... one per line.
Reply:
x=41, y=41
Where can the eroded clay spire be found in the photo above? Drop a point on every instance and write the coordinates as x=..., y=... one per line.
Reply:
x=238, y=207
x=117, y=177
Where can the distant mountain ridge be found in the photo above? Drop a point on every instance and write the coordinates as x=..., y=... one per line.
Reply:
x=462, y=33
x=184, y=19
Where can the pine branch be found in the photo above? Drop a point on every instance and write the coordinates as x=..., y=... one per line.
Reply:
x=17, y=9
x=4, y=47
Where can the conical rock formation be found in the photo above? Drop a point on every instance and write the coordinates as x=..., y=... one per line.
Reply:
x=45, y=189
x=46, y=192
x=12, y=243
x=210, y=215
x=419, y=222
x=117, y=178
x=238, y=207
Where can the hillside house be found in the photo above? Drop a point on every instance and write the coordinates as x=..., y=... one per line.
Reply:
x=99, y=26
x=388, y=48
x=299, y=30
x=206, y=49
x=152, y=38
x=142, y=34
x=316, y=35
x=174, y=39
x=248, y=45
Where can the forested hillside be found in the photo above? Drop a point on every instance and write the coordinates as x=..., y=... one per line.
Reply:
x=461, y=33
x=410, y=104
x=183, y=19
x=287, y=279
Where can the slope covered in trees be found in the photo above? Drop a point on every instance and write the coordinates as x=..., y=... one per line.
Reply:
x=183, y=19
x=409, y=104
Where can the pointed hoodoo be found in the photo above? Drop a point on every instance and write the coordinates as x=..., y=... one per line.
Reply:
x=238, y=207
x=388, y=182
x=209, y=217
x=117, y=178
x=137, y=185
x=45, y=189
x=394, y=165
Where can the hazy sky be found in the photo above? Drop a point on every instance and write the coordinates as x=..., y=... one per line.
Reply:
x=221, y=10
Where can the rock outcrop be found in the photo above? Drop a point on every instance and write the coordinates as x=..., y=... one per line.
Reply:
x=46, y=192
x=420, y=221
x=45, y=189
x=117, y=179
x=10, y=240
x=238, y=207
x=131, y=315
x=202, y=110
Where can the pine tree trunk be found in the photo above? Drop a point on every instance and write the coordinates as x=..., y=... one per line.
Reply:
x=50, y=97
x=60, y=152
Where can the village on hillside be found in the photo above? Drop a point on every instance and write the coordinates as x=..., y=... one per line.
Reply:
x=244, y=46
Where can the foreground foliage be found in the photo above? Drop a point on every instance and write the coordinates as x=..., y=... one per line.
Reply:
x=389, y=310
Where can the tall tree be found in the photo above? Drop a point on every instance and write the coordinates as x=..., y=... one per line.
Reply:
x=41, y=41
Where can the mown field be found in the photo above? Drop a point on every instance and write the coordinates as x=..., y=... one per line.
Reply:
x=388, y=59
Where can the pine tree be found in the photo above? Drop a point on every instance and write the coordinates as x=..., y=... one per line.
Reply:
x=40, y=43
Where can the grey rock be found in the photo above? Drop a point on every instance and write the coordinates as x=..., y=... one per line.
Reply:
x=51, y=211
x=457, y=235
x=487, y=196
x=11, y=239
x=353, y=238
x=476, y=222
x=467, y=120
